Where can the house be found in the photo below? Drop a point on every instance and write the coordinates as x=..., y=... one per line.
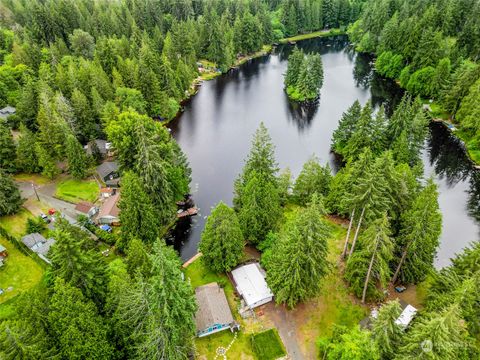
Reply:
x=213, y=313
x=109, y=210
x=38, y=244
x=104, y=147
x=249, y=280
x=107, y=192
x=86, y=208
x=108, y=173
x=405, y=318
x=6, y=112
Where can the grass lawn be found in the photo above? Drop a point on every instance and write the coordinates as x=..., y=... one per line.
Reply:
x=16, y=224
x=312, y=35
x=75, y=191
x=20, y=272
x=268, y=345
x=35, y=178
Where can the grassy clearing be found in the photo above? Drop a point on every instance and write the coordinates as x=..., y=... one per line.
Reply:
x=312, y=35
x=35, y=178
x=268, y=345
x=16, y=224
x=437, y=112
x=20, y=272
x=77, y=190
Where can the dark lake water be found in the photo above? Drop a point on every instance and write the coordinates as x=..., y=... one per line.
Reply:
x=216, y=128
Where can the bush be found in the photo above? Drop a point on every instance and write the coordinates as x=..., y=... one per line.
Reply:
x=267, y=345
x=35, y=225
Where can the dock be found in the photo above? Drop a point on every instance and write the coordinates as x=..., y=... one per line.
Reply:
x=188, y=212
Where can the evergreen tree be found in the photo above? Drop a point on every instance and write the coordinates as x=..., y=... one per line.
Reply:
x=77, y=160
x=159, y=311
x=313, y=178
x=419, y=237
x=76, y=261
x=27, y=159
x=346, y=127
x=137, y=213
x=369, y=266
x=468, y=114
x=137, y=258
x=439, y=336
x=362, y=136
x=299, y=260
x=75, y=323
x=10, y=198
x=295, y=60
x=354, y=344
x=386, y=333
x=260, y=209
x=284, y=185
x=222, y=240
x=7, y=149
x=260, y=160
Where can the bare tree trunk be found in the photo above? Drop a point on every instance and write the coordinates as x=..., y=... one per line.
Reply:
x=356, y=232
x=344, y=252
x=367, y=278
x=400, y=264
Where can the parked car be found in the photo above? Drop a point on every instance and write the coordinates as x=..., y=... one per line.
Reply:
x=106, y=228
x=45, y=218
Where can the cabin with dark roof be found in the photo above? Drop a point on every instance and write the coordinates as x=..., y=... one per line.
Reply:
x=108, y=173
x=6, y=112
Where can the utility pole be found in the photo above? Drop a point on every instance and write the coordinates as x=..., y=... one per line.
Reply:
x=35, y=191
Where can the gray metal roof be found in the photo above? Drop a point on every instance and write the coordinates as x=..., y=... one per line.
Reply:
x=34, y=239
x=212, y=307
x=43, y=250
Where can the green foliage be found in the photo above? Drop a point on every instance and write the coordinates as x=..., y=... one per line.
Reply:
x=72, y=317
x=77, y=160
x=299, y=259
x=268, y=345
x=35, y=225
x=389, y=65
x=368, y=267
x=420, y=82
x=27, y=159
x=7, y=149
x=314, y=178
x=386, y=333
x=354, y=344
x=137, y=212
x=304, y=76
x=10, y=198
x=346, y=127
x=419, y=236
x=75, y=260
x=222, y=240
x=126, y=98
x=469, y=111
x=82, y=43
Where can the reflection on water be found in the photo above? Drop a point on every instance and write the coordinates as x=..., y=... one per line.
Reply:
x=217, y=125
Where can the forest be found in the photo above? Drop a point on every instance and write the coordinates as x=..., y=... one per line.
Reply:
x=81, y=70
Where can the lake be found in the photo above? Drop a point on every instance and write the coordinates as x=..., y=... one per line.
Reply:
x=217, y=125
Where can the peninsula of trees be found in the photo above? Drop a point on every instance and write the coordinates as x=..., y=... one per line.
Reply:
x=304, y=76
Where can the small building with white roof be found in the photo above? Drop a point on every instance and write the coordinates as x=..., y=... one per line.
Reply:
x=249, y=280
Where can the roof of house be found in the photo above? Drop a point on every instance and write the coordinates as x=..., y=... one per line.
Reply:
x=102, y=146
x=212, y=306
x=6, y=111
x=2, y=248
x=84, y=207
x=31, y=240
x=110, y=207
x=106, y=168
x=251, y=284
x=107, y=190
x=406, y=316
x=43, y=250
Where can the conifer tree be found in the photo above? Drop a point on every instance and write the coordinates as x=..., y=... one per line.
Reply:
x=346, y=127
x=314, y=178
x=419, y=237
x=27, y=159
x=7, y=149
x=137, y=213
x=386, y=333
x=77, y=160
x=299, y=259
x=222, y=240
x=10, y=198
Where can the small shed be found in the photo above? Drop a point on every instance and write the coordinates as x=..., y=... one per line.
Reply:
x=109, y=211
x=249, y=280
x=107, y=192
x=86, y=208
x=213, y=313
x=404, y=320
x=6, y=112
x=108, y=173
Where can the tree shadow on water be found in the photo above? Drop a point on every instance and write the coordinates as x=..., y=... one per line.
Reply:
x=301, y=114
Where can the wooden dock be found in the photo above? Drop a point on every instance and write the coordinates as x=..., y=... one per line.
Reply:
x=189, y=212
